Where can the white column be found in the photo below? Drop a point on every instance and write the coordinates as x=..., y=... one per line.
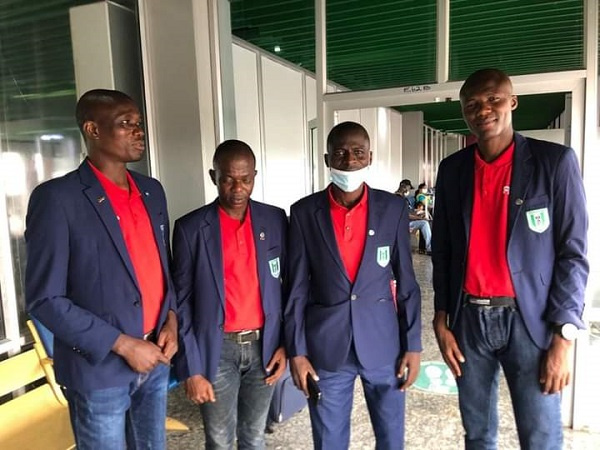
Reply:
x=443, y=41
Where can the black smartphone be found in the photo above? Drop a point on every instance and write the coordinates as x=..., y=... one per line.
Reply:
x=314, y=392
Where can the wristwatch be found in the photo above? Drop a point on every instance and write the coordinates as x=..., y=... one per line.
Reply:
x=567, y=331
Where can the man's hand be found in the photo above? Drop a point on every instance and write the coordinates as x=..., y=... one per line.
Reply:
x=142, y=356
x=447, y=343
x=199, y=390
x=300, y=367
x=167, y=338
x=277, y=363
x=408, y=369
x=555, y=370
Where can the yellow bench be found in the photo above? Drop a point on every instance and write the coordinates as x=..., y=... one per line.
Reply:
x=39, y=418
x=46, y=362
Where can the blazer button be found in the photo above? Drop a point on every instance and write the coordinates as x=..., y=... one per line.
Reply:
x=136, y=303
x=353, y=297
x=221, y=327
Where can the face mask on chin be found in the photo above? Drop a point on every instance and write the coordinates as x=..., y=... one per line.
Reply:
x=349, y=181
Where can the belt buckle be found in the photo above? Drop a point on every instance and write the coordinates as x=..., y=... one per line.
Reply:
x=242, y=335
x=480, y=301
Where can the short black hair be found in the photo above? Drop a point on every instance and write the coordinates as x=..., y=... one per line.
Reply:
x=480, y=76
x=341, y=130
x=230, y=149
x=95, y=99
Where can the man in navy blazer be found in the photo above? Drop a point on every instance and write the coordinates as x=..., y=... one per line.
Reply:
x=229, y=260
x=510, y=268
x=97, y=277
x=354, y=304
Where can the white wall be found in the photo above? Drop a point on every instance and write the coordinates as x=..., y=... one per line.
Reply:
x=412, y=145
x=556, y=135
x=285, y=134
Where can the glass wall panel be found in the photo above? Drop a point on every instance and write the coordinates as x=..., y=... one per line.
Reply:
x=39, y=139
x=285, y=28
x=374, y=44
x=517, y=36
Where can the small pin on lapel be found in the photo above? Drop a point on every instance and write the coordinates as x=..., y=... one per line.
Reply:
x=371, y=232
x=147, y=194
x=519, y=201
x=261, y=236
x=101, y=199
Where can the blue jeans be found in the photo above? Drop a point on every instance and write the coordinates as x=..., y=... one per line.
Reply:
x=494, y=337
x=424, y=228
x=242, y=399
x=330, y=418
x=124, y=417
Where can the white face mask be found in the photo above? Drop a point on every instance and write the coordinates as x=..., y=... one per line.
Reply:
x=349, y=181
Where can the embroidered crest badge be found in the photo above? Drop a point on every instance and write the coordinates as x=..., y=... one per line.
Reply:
x=383, y=255
x=538, y=220
x=274, y=267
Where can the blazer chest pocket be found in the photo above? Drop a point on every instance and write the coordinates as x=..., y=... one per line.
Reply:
x=537, y=214
x=274, y=262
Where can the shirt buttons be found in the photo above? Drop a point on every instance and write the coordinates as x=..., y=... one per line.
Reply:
x=353, y=297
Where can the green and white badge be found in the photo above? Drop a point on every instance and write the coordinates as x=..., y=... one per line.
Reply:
x=383, y=255
x=274, y=267
x=538, y=220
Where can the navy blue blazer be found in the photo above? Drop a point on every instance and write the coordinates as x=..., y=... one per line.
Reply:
x=80, y=281
x=547, y=259
x=199, y=282
x=326, y=312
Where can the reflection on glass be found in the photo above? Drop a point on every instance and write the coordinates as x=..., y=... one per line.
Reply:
x=39, y=139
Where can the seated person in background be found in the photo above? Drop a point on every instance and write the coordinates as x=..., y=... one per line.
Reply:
x=422, y=195
x=417, y=222
x=421, y=211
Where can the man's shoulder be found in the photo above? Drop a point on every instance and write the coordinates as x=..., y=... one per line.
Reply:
x=458, y=158
x=196, y=215
x=309, y=201
x=61, y=185
x=266, y=209
x=379, y=196
x=545, y=150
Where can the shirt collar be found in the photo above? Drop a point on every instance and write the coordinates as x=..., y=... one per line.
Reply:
x=112, y=188
x=336, y=206
x=503, y=159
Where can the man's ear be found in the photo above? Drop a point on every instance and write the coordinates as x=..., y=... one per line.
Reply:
x=370, y=157
x=213, y=176
x=90, y=130
x=326, y=158
x=514, y=102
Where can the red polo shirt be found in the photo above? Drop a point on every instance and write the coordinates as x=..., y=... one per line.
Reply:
x=487, y=271
x=140, y=242
x=350, y=227
x=243, y=306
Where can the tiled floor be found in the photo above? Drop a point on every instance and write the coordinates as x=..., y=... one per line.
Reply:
x=432, y=420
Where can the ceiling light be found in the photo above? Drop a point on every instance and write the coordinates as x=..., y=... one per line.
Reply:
x=52, y=137
x=277, y=49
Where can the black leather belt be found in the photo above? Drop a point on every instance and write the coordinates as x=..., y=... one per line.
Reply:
x=150, y=336
x=490, y=301
x=242, y=337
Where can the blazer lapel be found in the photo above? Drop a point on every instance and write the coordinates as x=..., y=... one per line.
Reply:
x=259, y=232
x=99, y=201
x=211, y=233
x=522, y=171
x=465, y=182
x=374, y=228
x=323, y=218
